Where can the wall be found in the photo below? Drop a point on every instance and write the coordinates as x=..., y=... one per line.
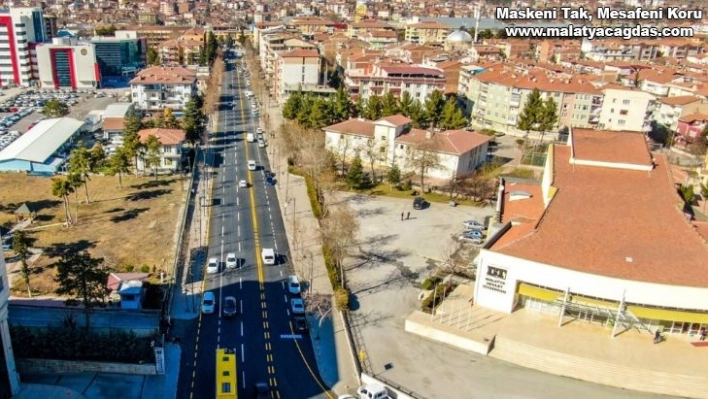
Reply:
x=635, y=111
x=42, y=366
x=9, y=366
x=84, y=65
x=558, y=278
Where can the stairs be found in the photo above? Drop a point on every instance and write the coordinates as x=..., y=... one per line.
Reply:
x=596, y=371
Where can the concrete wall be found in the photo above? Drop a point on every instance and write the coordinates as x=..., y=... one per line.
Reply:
x=419, y=323
x=39, y=366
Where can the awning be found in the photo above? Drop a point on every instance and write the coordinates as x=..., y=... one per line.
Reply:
x=666, y=314
x=535, y=292
x=597, y=302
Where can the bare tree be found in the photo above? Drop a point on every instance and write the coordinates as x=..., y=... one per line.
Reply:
x=344, y=146
x=339, y=231
x=320, y=306
x=373, y=154
x=478, y=186
x=213, y=92
x=425, y=158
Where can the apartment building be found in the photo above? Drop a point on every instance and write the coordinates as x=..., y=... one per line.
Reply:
x=379, y=39
x=427, y=32
x=309, y=25
x=495, y=96
x=383, y=77
x=626, y=109
x=66, y=63
x=670, y=110
x=357, y=29
x=272, y=44
x=121, y=55
x=156, y=34
x=156, y=88
x=690, y=128
x=9, y=378
x=294, y=70
x=180, y=51
x=21, y=29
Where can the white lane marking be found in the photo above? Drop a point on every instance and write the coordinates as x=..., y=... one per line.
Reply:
x=243, y=379
x=242, y=329
x=239, y=230
x=239, y=246
x=240, y=283
x=290, y=336
x=238, y=216
x=237, y=201
x=281, y=273
x=243, y=354
x=285, y=297
x=287, y=311
x=240, y=306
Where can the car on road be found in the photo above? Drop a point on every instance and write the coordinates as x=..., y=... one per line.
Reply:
x=231, y=261
x=262, y=391
x=259, y=130
x=212, y=266
x=261, y=143
x=230, y=308
x=243, y=184
x=294, y=285
x=252, y=165
x=208, y=303
x=300, y=324
x=297, y=306
x=270, y=180
x=419, y=203
x=473, y=225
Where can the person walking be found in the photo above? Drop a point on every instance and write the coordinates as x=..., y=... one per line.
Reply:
x=408, y=215
x=703, y=334
x=401, y=216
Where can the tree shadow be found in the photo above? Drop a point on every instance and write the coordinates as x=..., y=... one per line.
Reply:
x=38, y=206
x=379, y=240
x=364, y=213
x=115, y=210
x=43, y=218
x=152, y=184
x=62, y=248
x=145, y=195
x=128, y=215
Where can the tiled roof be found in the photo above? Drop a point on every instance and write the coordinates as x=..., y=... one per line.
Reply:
x=411, y=70
x=455, y=142
x=396, y=120
x=113, y=124
x=357, y=127
x=614, y=147
x=536, y=78
x=678, y=100
x=160, y=74
x=430, y=25
x=299, y=54
x=615, y=222
x=166, y=136
x=694, y=117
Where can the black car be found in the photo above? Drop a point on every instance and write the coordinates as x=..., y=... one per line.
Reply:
x=262, y=391
x=419, y=203
x=300, y=324
x=230, y=308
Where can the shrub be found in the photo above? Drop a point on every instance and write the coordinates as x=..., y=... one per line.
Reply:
x=436, y=297
x=129, y=268
x=332, y=270
x=341, y=298
x=145, y=268
x=430, y=282
x=407, y=185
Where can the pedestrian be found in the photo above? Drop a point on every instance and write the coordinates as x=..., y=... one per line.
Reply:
x=703, y=334
x=401, y=216
x=657, y=337
x=408, y=215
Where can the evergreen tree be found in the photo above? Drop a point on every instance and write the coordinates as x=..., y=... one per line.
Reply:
x=393, y=176
x=434, y=106
x=81, y=164
x=452, y=116
x=153, y=58
x=21, y=244
x=152, y=153
x=418, y=116
x=118, y=165
x=292, y=105
x=360, y=107
x=355, y=173
x=194, y=120
x=374, y=107
x=406, y=104
x=170, y=120
x=229, y=43
x=529, y=116
x=320, y=114
x=303, y=114
x=131, y=139
x=84, y=279
x=389, y=105
x=341, y=105
x=548, y=116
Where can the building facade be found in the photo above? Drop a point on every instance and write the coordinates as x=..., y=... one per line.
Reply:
x=297, y=68
x=172, y=154
x=9, y=378
x=157, y=88
x=122, y=55
x=380, y=79
x=67, y=64
x=626, y=108
x=21, y=29
x=427, y=32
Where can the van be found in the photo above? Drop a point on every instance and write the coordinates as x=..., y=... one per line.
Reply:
x=252, y=165
x=250, y=137
x=268, y=256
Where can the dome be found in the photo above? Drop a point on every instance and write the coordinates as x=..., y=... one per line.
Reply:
x=459, y=36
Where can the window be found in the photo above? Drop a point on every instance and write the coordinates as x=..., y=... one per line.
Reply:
x=621, y=122
x=382, y=150
x=623, y=112
x=625, y=102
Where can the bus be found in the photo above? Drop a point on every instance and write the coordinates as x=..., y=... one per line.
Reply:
x=226, y=384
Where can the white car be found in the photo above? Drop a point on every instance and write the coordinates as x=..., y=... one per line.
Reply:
x=297, y=305
x=231, y=261
x=208, y=303
x=243, y=183
x=252, y=165
x=213, y=266
x=261, y=143
x=294, y=285
x=473, y=225
x=259, y=130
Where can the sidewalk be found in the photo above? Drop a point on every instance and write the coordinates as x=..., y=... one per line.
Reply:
x=331, y=345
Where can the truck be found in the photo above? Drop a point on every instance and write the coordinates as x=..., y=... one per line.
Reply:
x=372, y=391
x=250, y=137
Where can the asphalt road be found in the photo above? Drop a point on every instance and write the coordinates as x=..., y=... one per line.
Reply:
x=245, y=220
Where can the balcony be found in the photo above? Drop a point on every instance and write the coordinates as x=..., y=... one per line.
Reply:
x=594, y=120
x=515, y=101
x=651, y=108
x=597, y=101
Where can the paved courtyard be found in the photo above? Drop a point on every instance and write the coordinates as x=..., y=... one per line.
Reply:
x=385, y=274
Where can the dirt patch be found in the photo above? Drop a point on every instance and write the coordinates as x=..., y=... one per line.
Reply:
x=129, y=226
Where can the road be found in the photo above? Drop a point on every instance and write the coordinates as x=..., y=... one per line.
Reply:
x=245, y=220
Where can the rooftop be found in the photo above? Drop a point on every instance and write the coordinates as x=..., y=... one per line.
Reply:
x=166, y=136
x=162, y=74
x=42, y=141
x=117, y=110
x=599, y=146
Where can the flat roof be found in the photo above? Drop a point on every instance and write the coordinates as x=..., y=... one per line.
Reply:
x=117, y=110
x=43, y=140
x=620, y=223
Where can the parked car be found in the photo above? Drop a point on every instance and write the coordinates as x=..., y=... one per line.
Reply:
x=213, y=266
x=471, y=239
x=419, y=203
x=208, y=303
x=294, y=285
x=473, y=233
x=297, y=306
x=473, y=225
x=230, y=307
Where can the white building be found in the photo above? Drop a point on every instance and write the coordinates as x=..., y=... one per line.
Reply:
x=391, y=140
x=20, y=30
x=68, y=64
x=626, y=108
x=171, y=151
x=9, y=377
x=600, y=238
x=159, y=87
x=296, y=69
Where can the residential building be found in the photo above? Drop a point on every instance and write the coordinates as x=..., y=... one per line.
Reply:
x=156, y=34
x=21, y=29
x=669, y=110
x=392, y=140
x=602, y=201
x=358, y=29
x=309, y=25
x=379, y=39
x=172, y=154
x=626, y=108
x=67, y=63
x=272, y=44
x=381, y=78
x=122, y=55
x=128, y=288
x=294, y=70
x=180, y=52
x=114, y=119
x=9, y=377
x=690, y=128
x=158, y=87
x=427, y=32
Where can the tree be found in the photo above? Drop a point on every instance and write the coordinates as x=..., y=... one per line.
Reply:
x=393, y=176
x=406, y=104
x=152, y=153
x=374, y=108
x=425, y=158
x=98, y=157
x=320, y=114
x=292, y=106
x=704, y=195
x=548, y=116
x=84, y=279
x=21, y=243
x=119, y=164
x=434, y=106
x=229, y=42
x=153, y=57
x=339, y=231
x=81, y=163
x=170, y=120
x=55, y=108
x=688, y=193
x=106, y=30
x=341, y=105
x=418, y=116
x=529, y=117
x=373, y=155
x=62, y=188
x=194, y=120
x=486, y=34
x=389, y=105
x=452, y=116
x=131, y=138
x=360, y=107
x=355, y=173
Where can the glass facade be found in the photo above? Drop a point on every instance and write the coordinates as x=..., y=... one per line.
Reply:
x=63, y=68
x=38, y=24
x=115, y=56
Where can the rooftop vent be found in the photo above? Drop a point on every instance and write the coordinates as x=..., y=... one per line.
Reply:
x=519, y=195
x=629, y=259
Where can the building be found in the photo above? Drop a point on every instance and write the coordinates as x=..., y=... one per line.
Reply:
x=359, y=29
x=21, y=29
x=172, y=154
x=67, y=63
x=43, y=149
x=296, y=69
x=670, y=109
x=9, y=377
x=391, y=140
x=156, y=88
x=602, y=238
x=128, y=288
x=114, y=119
x=427, y=32
x=690, y=128
x=626, y=108
x=382, y=78
x=121, y=55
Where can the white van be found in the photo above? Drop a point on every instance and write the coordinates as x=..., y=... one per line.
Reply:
x=251, y=165
x=268, y=256
x=250, y=137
